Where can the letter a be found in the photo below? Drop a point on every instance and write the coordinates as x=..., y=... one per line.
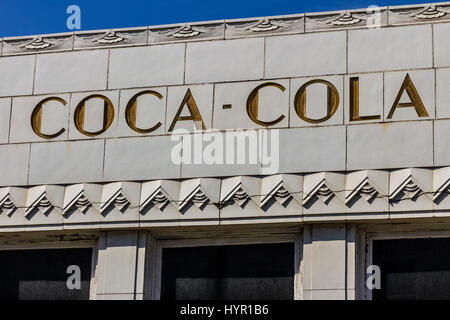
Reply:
x=193, y=110
x=74, y=280
x=74, y=20
x=416, y=102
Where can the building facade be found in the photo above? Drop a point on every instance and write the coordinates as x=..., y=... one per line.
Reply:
x=294, y=157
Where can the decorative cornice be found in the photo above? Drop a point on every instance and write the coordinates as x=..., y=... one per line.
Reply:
x=119, y=195
x=419, y=13
x=324, y=193
x=200, y=192
x=323, y=186
x=367, y=184
x=346, y=19
x=281, y=188
x=159, y=193
x=239, y=190
x=263, y=26
x=110, y=38
x=410, y=183
x=36, y=44
x=43, y=199
x=81, y=197
x=186, y=32
x=228, y=29
x=441, y=183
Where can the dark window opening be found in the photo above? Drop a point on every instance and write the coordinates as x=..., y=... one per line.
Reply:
x=413, y=268
x=42, y=274
x=260, y=271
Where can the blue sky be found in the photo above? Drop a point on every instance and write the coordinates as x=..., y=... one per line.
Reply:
x=30, y=17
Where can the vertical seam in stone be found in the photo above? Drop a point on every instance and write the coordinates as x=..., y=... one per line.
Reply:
x=34, y=74
x=345, y=262
x=387, y=16
x=212, y=112
x=389, y=193
x=165, y=111
x=343, y=122
x=107, y=69
x=68, y=120
x=136, y=262
x=343, y=100
x=29, y=162
x=383, y=119
x=289, y=103
x=432, y=139
x=182, y=152
x=117, y=134
x=220, y=207
x=346, y=147
x=311, y=259
x=264, y=59
x=104, y=156
x=184, y=65
x=304, y=22
x=435, y=114
x=346, y=51
x=432, y=45
x=224, y=29
x=10, y=118
x=105, y=262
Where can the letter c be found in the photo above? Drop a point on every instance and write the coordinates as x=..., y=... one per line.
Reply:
x=130, y=112
x=36, y=118
x=252, y=104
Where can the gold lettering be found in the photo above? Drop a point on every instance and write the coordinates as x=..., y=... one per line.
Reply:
x=130, y=112
x=36, y=118
x=252, y=104
x=416, y=102
x=332, y=101
x=354, y=102
x=108, y=115
x=193, y=110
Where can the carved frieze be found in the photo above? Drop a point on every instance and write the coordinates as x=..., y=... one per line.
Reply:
x=410, y=184
x=357, y=195
x=322, y=186
x=160, y=193
x=281, y=188
x=109, y=38
x=120, y=196
x=262, y=26
x=81, y=198
x=372, y=17
x=47, y=43
x=199, y=192
x=186, y=32
x=419, y=14
x=43, y=199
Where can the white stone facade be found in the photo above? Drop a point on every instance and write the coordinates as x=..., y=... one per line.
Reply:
x=339, y=182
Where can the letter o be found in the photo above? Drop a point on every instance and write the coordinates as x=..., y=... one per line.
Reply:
x=332, y=101
x=108, y=115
